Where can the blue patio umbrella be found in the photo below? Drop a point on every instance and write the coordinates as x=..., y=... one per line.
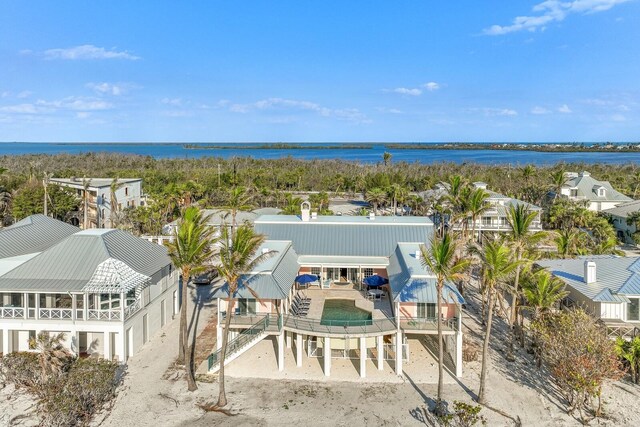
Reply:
x=375, y=280
x=306, y=278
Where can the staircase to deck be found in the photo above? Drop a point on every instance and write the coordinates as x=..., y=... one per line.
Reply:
x=241, y=343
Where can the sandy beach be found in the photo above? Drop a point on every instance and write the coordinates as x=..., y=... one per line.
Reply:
x=154, y=394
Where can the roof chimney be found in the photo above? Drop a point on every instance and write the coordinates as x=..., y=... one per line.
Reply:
x=418, y=254
x=314, y=215
x=265, y=250
x=305, y=211
x=372, y=215
x=589, y=272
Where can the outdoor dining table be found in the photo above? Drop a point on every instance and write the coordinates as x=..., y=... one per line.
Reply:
x=375, y=293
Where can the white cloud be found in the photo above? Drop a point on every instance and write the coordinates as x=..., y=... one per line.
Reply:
x=5, y=94
x=176, y=102
x=83, y=114
x=24, y=94
x=389, y=110
x=406, y=91
x=618, y=118
x=564, y=108
x=22, y=109
x=76, y=103
x=550, y=11
x=282, y=104
x=539, y=110
x=431, y=86
x=86, y=51
x=114, y=89
x=499, y=112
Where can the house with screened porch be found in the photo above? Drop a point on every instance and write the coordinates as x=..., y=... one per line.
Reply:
x=339, y=287
x=106, y=289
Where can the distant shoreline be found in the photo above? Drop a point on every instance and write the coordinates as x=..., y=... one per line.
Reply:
x=546, y=147
x=277, y=146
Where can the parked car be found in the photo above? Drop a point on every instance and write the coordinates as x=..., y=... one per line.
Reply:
x=205, y=278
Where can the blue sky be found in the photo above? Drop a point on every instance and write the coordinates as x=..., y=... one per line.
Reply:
x=320, y=71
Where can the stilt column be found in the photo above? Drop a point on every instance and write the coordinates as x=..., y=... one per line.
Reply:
x=299, y=350
x=380, y=345
x=327, y=356
x=363, y=357
x=399, y=353
x=281, y=351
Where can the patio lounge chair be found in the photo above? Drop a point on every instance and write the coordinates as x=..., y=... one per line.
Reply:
x=301, y=302
x=297, y=312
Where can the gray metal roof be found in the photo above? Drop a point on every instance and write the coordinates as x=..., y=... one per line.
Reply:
x=272, y=278
x=587, y=186
x=411, y=282
x=34, y=233
x=343, y=261
x=70, y=264
x=624, y=209
x=345, y=236
x=616, y=277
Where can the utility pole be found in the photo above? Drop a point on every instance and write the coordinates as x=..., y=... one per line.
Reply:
x=218, y=175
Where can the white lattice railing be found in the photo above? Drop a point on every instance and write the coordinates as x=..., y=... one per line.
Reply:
x=11, y=312
x=132, y=309
x=56, y=313
x=104, y=314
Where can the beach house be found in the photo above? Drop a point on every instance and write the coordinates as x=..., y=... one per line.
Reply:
x=622, y=219
x=102, y=201
x=598, y=195
x=492, y=220
x=106, y=289
x=341, y=287
x=606, y=286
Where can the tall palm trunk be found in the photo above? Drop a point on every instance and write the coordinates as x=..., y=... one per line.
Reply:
x=485, y=350
x=222, y=395
x=514, y=308
x=439, y=409
x=184, y=354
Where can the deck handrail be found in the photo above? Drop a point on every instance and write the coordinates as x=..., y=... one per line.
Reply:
x=429, y=322
x=340, y=326
x=244, y=338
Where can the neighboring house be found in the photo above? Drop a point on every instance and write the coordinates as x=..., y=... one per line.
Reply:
x=494, y=219
x=606, y=286
x=342, y=251
x=217, y=217
x=599, y=195
x=128, y=194
x=107, y=290
x=619, y=216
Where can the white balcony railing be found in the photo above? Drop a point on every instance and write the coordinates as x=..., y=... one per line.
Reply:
x=56, y=313
x=104, y=314
x=11, y=312
x=132, y=309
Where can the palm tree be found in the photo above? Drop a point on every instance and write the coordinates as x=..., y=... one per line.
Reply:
x=53, y=355
x=558, y=178
x=190, y=251
x=567, y=241
x=497, y=265
x=527, y=172
x=237, y=257
x=86, y=183
x=397, y=193
x=386, y=158
x=376, y=196
x=521, y=239
x=45, y=183
x=238, y=199
x=441, y=259
x=542, y=292
x=113, y=188
x=477, y=205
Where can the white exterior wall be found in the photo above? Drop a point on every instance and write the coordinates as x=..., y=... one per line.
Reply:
x=620, y=224
x=610, y=310
x=130, y=194
x=16, y=331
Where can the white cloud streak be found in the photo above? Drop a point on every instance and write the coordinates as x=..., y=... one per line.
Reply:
x=551, y=11
x=416, y=91
x=115, y=89
x=71, y=103
x=282, y=104
x=564, y=108
x=87, y=51
x=540, y=111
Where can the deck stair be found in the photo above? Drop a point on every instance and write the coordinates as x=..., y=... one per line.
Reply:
x=241, y=343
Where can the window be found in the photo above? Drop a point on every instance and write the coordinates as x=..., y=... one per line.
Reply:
x=601, y=192
x=574, y=192
x=486, y=220
x=126, y=191
x=503, y=220
x=633, y=309
x=426, y=310
x=315, y=271
x=367, y=272
x=246, y=306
